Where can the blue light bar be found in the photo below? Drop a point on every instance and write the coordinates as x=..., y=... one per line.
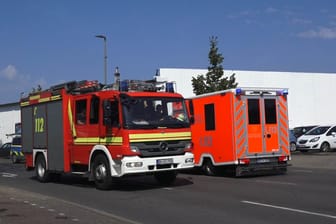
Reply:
x=239, y=91
x=170, y=87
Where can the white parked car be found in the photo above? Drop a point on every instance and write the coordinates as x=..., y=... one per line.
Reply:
x=321, y=138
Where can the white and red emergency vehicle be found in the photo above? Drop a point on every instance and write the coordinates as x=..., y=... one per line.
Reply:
x=243, y=130
x=87, y=128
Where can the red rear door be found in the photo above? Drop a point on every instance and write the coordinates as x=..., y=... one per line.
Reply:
x=262, y=125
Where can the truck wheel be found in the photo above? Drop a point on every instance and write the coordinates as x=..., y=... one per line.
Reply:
x=208, y=168
x=101, y=172
x=165, y=178
x=41, y=169
x=325, y=147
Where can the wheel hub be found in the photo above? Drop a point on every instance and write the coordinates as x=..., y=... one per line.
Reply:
x=100, y=172
x=40, y=170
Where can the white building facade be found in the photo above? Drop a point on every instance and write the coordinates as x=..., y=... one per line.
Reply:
x=310, y=99
x=9, y=116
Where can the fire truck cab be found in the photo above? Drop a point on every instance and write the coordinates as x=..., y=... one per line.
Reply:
x=243, y=130
x=103, y=132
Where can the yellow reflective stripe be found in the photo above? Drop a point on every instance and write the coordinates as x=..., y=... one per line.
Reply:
x=159, y=139
x=34, y=97
x=57, y=97
x=23, y=104
x=17, y=153
x=96, y=140
x=72, y=125
x=44, y=100
x=160, y=136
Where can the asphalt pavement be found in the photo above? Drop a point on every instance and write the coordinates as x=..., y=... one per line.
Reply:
x=19, y=206
x=303, y=195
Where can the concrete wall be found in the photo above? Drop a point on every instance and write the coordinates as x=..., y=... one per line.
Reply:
x=310, y=99
x=9, y=115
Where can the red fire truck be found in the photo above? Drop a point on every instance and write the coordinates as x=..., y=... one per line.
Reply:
x=106, y=132
x=243, y=130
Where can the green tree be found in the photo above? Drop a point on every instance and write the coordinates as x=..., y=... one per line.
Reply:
x=213, y=80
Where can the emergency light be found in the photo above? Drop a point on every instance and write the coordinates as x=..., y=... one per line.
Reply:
x=169, y=87
x=283, y=92
x=239, y=91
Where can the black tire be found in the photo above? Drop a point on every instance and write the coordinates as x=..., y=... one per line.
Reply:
x=292, y=147
x=208, y=168
x=41, y=171
x=101, y=172
x=325, y=147
x=14, y=158
x=165, y=178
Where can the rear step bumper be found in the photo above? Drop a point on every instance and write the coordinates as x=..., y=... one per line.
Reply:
x=260, y=169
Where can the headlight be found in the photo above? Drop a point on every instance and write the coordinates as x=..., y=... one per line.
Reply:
x=315, y=139
x=134, y=164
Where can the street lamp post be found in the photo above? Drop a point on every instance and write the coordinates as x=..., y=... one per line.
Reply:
x=105, y=57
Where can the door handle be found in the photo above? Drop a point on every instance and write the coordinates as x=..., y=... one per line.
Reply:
x=268, y=135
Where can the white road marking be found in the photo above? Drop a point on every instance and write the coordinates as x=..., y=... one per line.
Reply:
x=290, y=209
x=168, y=188
x=303, y=171
x=10, y=175
x=276, y=182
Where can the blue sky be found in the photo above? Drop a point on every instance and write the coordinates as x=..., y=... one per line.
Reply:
x=47, y=42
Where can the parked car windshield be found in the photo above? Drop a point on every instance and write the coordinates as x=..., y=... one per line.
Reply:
x=16, y=141
x=318, y=131
x=298, y=131
x=152, y=112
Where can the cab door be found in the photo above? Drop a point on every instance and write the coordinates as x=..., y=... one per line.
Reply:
x=262, y=125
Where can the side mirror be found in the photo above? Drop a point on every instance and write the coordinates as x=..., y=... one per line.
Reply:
x=333, y=134
x=107, y=113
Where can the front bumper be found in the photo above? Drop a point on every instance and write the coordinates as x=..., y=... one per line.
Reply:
x=137, y=165
x=307, y=146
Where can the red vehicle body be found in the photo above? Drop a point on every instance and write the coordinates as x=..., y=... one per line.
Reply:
x=85, y=128
x=240, y=130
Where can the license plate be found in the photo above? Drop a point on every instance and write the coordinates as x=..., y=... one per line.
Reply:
x=263, y=161
x=164, y=161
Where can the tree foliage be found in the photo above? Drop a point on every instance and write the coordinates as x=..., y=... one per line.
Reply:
x=213, y=80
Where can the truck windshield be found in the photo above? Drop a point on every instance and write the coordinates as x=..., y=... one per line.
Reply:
x=151, y=112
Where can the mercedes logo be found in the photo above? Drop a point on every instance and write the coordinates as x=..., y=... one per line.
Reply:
x=163, y=146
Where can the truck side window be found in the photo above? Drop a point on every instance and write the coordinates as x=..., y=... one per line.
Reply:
x=115, y=113
x=209, y=114
x=81, y=112
x=94, y=110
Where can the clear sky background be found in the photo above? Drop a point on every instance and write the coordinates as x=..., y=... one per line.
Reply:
x=47, y=42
